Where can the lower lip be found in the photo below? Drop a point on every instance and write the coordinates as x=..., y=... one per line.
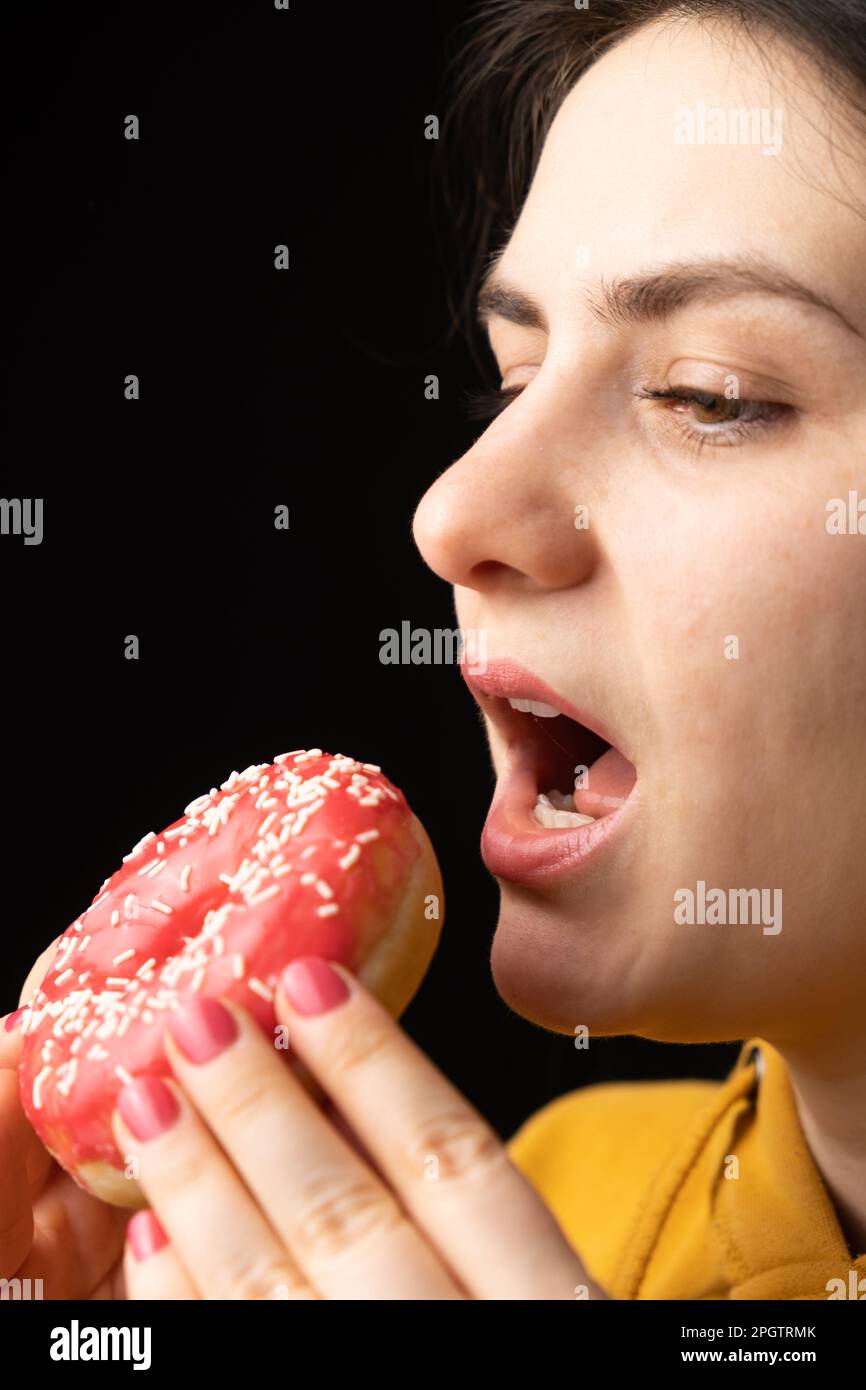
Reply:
x=514, y=850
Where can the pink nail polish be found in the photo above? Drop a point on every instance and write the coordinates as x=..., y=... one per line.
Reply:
x=14, y=1019
x=147, y=1107
x=202, y=1029
x=312, y=986
x=145, y=1235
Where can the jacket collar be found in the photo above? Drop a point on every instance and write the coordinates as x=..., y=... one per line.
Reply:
x=774, y=1224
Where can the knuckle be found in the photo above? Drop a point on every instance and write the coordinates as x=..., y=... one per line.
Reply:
x=455, y=1145
x=248, y=1099
x=266, y=1281
x=338, y=1215
x=366, y=1040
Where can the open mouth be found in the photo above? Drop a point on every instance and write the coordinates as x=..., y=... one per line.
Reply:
x=563, y=782
x=580, y=776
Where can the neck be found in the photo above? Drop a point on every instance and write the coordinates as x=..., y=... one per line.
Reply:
x=829, y=1087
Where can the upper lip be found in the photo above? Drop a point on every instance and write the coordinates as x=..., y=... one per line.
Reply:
x=505, y=678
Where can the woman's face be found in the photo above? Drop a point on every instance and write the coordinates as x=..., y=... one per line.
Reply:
x=702, y=614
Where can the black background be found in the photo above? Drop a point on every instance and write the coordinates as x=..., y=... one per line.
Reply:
x=258, y=387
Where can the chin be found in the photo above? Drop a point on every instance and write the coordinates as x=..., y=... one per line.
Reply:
x=559, y=970
x=556, y=971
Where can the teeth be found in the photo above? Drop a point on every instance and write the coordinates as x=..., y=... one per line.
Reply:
x=550, y=811
x=534, y=707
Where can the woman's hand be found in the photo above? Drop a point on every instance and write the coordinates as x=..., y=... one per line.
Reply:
x=404, y=1192
x=50, y=1228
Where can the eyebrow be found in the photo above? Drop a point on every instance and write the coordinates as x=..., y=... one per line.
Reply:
x=655, y=294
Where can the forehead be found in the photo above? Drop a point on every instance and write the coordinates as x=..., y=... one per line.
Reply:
x=658, y=153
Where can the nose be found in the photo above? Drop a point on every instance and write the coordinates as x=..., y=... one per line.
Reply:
x=505, y=515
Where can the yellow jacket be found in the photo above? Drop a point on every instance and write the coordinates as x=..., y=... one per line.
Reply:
x=691, y=1189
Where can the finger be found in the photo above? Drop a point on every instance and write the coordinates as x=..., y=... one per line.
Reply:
x=16, y=1210
x=151, y=1266
x=76, y=1239
x=445, y=1162
x=37, y=1160
x=219, y=1234
x=341, y=1223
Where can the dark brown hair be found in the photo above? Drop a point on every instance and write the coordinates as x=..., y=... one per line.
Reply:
x=514, y=63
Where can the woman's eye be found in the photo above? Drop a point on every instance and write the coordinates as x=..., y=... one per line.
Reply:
x=701, y=417
x=707, y=418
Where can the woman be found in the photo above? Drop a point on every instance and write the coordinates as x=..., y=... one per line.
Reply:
x=659, y=535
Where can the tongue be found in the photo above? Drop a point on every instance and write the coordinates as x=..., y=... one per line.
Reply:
x=609, y=781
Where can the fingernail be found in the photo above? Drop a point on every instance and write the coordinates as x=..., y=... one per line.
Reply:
x=145, y=1235
x=202, y=1029
x=312, y=986
x=14, y=1019
x=147, y=1107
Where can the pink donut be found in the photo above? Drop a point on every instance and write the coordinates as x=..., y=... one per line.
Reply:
x=311, y=855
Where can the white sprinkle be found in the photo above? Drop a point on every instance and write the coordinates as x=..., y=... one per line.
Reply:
x=182, y=841
x=83, y=942
x=281, y=870
x=329, y=910
x=218, y=946
x=136, y=849
x=261, y=989
x=311, y=849
x=267, y=823
x=130, y=905
x=350, y=857
x=124, y=1024
x=330, y=781
x=161, y=906
x=238, y=967
x=124, y=1075
x=115, y=918
x=148, y=964
x=263, y=896
x=117, y=981
x=371, y=767
x=195, y=983
x=84, y=977
x=160, y=847
x=366, y=836
x=61, y=979
x=38, y=1083
x=146, y=869
x=124, y=955
x=76, y=1047
x=184, y=878
x=324, y=889
x=226, y=878
x=147, y=1016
